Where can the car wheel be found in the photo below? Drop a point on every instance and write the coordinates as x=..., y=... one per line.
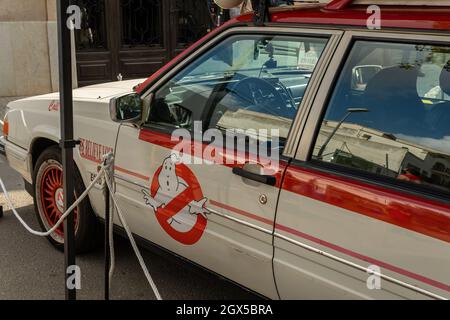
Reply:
x=49, y=202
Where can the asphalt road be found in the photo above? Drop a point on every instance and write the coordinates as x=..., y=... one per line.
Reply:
x=30, y=268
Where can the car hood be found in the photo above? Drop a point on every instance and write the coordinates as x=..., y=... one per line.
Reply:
x=98, y=92
x=107, y=90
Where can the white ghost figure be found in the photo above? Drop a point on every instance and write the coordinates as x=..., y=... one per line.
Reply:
x=170, y=186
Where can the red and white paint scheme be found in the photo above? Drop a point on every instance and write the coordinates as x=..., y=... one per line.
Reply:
x=312, y=229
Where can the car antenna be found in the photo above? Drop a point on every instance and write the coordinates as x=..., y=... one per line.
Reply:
x=261, y=12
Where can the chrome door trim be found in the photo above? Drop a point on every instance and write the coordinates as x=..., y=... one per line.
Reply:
x=242, y=222
x=357, y=266
x=213, y=211
x=137, y=184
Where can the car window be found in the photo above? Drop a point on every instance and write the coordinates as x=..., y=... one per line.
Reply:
x=245, y=82
x=389, y=114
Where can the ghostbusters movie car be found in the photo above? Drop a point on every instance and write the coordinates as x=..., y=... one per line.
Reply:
x=355, y=200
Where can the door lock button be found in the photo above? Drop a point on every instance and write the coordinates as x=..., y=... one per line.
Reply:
x=263, y=199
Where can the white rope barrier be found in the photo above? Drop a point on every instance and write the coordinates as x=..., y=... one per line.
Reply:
x=63, y=217
x=102, y=173
x=112, y=254
x=131, y=238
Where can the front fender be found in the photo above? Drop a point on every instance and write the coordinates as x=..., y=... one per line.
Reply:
x=52, y=135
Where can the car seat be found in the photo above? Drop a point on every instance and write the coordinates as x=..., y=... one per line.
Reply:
x=440, y=115
x=393, y=101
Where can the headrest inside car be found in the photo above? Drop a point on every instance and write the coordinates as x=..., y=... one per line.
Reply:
x=445, y=78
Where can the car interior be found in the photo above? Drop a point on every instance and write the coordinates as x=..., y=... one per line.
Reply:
x=261, y=76
x=391, y=94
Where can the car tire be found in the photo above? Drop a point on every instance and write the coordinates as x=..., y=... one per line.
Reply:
x=49, y=203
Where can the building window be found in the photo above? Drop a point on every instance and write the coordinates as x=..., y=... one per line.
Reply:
x=193, y=21
x=92, y=35
x=141, y=23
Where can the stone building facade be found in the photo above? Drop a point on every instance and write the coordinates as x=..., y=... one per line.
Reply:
x=28, y=47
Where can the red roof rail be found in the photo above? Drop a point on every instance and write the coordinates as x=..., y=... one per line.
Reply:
x=338, y=4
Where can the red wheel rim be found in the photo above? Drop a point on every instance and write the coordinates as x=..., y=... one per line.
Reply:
x=52, y=198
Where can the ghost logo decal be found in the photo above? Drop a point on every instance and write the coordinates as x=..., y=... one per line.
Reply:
x=178, y=201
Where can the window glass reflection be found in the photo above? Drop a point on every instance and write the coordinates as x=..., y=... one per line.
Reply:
x=390, y=114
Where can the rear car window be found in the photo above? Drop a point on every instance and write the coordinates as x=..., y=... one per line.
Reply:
x=389, y=114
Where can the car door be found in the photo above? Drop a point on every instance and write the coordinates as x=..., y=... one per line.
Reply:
x=364, y=210
x=201, y=177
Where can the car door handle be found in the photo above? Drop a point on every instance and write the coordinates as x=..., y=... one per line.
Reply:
x=265, y=179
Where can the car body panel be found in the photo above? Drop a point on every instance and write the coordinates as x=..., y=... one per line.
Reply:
x=38, y=118
x=233, y=245
x=319, y=232
x=392, y=218
x=408, y=239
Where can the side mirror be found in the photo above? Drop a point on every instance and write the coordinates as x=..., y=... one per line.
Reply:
x=127, y=108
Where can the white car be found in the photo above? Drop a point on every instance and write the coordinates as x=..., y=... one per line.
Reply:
x=354, y=202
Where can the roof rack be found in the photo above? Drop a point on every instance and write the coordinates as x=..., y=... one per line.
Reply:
x=342, y=4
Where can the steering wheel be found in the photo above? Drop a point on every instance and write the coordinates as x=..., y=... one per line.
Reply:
x=262, y=95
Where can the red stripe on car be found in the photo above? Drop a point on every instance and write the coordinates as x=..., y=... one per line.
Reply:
x=417, y=214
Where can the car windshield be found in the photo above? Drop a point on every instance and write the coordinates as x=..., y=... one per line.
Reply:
x=290, y=63
x=245, y=82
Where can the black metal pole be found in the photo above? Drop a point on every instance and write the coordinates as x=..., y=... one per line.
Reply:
x=67, y=141
x=107, y=246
